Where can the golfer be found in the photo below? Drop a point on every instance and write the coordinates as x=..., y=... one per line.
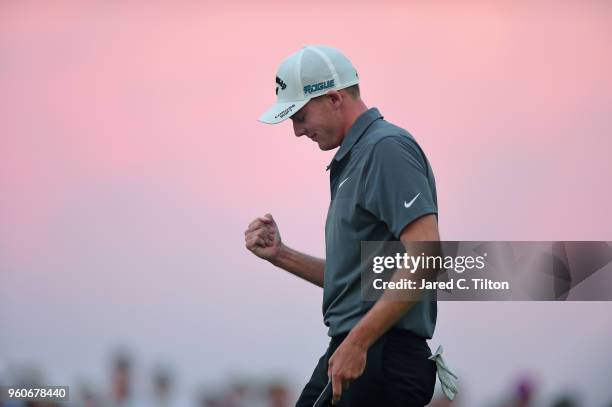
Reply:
x=382, y=189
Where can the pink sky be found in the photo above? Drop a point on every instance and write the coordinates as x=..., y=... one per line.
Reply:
x=131, y=156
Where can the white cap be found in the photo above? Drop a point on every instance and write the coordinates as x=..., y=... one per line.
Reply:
x=306, y=74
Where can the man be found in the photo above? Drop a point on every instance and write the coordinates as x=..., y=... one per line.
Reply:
x=382, y=189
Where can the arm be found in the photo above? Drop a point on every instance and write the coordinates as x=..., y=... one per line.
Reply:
x=263, y=239
x=300, y=264
x=384, y=314
x=348, y=361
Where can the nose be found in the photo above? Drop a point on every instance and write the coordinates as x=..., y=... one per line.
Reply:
x=298, y=130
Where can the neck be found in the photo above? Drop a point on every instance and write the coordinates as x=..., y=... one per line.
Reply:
x=355, y=110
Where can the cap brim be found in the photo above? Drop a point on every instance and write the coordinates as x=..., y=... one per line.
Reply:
x=281, y=111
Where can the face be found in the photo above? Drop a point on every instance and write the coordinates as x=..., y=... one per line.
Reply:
x=319, y=121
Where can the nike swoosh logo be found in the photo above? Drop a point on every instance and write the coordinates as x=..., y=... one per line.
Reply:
x=409, y=204
x=346, y=179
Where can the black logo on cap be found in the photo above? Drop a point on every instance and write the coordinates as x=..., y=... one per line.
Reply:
x=280, y=82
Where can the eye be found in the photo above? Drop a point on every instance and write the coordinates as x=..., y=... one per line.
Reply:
x=300, y=119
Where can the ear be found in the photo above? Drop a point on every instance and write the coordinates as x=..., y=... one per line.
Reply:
x=335, y=99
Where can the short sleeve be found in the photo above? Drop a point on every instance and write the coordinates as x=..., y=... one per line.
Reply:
x=397, y=187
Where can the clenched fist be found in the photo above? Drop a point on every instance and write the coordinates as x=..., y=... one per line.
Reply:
x=263, y=238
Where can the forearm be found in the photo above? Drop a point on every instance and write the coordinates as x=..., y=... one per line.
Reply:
x=390, y=307
x=300, y=264
x=381, y=317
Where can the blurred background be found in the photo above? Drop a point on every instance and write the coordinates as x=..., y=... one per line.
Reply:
x=131, y=162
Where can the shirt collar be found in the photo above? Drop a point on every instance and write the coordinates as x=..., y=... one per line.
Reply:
x=355, y=132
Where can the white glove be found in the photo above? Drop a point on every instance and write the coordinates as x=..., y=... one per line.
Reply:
x=445, y=374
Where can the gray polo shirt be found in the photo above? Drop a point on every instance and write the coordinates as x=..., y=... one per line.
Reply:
x=380, y=182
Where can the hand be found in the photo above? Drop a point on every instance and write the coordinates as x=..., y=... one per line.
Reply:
x=263, y=238
x=345, y=365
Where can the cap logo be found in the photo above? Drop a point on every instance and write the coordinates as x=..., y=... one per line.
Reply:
x=285, y=112
x=280, y=82
x=319, y=86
